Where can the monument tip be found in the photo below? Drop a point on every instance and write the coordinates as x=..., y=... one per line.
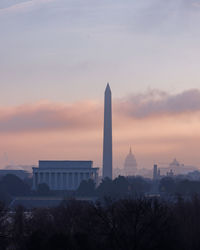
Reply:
x=108, y=87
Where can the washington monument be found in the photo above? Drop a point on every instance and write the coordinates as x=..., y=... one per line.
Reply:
x=107, y=137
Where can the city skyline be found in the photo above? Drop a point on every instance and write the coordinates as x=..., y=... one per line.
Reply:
x=99, y=124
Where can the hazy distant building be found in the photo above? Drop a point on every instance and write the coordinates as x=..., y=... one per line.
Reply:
x=22, y=174
x=175, y=164
x=170, y=173
x=63, y=175
x=27, y=168
x=178, y=168
x=118, y=172
x=145, y=172
x=107, y=137
x=156, y=173
x=194, y=175
x=130, y=164
x=159, y=175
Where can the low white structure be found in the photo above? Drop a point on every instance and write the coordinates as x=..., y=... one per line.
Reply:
x=177, y=168
x=63, y=175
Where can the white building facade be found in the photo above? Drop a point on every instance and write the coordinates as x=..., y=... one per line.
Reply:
x=63, y=175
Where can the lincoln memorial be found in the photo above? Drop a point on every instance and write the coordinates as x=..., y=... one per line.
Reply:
x=63, y=175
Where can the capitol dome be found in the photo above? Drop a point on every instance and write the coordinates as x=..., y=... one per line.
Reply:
x=130, y=164
x=174, y=163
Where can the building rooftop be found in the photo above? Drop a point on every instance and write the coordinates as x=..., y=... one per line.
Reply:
x=65, y=164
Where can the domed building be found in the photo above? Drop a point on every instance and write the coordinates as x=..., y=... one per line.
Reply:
x=175, y=163
x=130, y=164
x=177, y=168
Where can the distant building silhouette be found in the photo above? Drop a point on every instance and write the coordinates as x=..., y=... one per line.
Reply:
x=178, y=168
x=175, y=163
x=159, y=175
x=130, y=164
x=156, y=172
x=107, y=137
x=170, y=173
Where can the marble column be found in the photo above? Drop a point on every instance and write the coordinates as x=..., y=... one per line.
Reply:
x=61, y=181
x=41, y=178
x=72, y=181
x=79, y=179
x=49, y=179
x=45, y=178
x=69, y=183
x=66, y=180
x=56, y=181
x=34, y=181
x=38, y=178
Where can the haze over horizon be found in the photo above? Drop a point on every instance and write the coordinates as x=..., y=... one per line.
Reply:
x=58, y=55
x=159, y=127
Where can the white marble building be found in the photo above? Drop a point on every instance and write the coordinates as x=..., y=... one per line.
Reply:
x=63, y=175
x=130, y=165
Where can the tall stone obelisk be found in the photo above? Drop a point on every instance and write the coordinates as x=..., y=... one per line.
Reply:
x=107, y=137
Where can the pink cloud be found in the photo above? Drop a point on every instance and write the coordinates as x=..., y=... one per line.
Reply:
x=158, y=125
x=49, y=116
x=158, y=103
x=87, y=115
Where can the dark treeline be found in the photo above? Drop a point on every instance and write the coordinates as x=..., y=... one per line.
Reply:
x=178, y=186
x=129, y=186
x=122, y=187
x=121, y=221
x=12, y=186
x=135, y=224
x=117, y=188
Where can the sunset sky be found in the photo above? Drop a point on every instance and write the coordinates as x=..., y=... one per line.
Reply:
x=56, y=57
